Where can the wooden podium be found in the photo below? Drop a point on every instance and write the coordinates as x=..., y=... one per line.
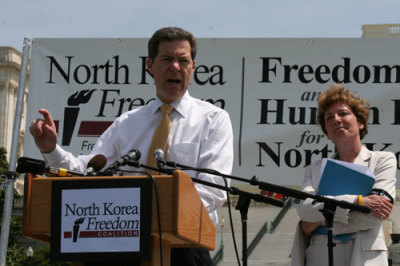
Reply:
x=184, y=219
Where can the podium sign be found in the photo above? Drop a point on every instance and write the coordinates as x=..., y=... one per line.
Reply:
x=105, y=220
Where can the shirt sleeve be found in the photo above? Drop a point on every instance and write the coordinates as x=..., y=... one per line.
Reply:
x=308, y=210
x=216, y=152
x=61, y=158
x=105, y=145
x=385, y=176
x=346, y=221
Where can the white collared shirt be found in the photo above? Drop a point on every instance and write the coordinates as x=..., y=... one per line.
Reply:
x=201, y=136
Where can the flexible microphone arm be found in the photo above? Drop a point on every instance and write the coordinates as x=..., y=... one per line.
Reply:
x=132, y=155
x=138, y=164
x=243, y=203
x=231, y=190
x=303, y=195
x=328, y=210
x=276, y=188
x=236, y=191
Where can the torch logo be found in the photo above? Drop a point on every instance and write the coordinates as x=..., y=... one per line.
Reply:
x=76, y=228
x=71, y=113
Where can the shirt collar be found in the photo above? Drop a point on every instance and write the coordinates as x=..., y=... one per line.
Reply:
x=363, y=156
x=181, y=106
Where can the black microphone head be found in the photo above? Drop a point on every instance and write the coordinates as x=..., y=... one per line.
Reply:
x=131, y=156
x=159, y=155
x=159, y=158
x=134, y=155
x=29, y=165
x=96, y=164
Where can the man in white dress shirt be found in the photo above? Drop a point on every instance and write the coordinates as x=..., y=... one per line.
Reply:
x=200, y=135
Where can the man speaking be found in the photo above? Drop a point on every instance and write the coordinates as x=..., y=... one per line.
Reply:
x=188, y=130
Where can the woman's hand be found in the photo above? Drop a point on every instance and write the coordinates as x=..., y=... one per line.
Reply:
x=380, y=206
x=308, y=228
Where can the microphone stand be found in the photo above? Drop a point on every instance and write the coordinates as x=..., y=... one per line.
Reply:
x=138, y=164
x=242, y=205
x=231, y=190
x=328, y=211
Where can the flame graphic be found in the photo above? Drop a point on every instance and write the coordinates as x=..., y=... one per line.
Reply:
x=80, y=97
x=79, y=221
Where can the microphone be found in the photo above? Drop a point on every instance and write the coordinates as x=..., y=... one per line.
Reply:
x=29, y=165
x=132, y=155
x=96, y=164
x=159, y=157
x=38, y=167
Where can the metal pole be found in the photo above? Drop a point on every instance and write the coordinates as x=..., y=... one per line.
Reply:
x=9, y=189
x=221, y=245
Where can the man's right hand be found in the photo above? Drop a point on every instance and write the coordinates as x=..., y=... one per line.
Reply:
x=44, y=132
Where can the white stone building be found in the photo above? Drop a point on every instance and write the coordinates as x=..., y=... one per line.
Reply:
x=10, y=66
x=381, y=31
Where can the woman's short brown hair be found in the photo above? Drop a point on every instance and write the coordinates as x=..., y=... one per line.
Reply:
x=338, y=93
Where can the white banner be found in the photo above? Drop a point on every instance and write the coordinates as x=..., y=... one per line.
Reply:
x=100, y=220
x=268, y=86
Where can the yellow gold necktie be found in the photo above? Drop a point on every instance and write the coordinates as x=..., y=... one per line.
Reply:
x=160, y=137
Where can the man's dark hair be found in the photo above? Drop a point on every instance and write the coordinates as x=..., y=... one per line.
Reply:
x=170, y=34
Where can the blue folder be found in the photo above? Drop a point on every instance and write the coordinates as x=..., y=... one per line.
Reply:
x=338, y=179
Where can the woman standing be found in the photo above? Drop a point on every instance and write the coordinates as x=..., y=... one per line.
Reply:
x=343, y=117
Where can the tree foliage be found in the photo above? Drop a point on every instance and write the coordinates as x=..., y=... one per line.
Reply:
x=16, y=252
x=3, y=160
x=15, y=247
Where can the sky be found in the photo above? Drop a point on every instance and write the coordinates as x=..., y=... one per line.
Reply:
x=204, y=18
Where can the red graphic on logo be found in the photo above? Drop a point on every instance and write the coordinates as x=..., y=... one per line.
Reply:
x=93, y=128
x=90, y=128
x=103, y=234
x=75, y=233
